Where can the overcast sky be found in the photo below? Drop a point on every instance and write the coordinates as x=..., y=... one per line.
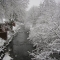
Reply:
x=36, y=3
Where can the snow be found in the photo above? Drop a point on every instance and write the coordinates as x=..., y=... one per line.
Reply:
x=16, y=27
x=7, y=57
x=2, y=41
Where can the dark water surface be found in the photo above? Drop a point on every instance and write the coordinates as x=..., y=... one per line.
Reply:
x=21, y=45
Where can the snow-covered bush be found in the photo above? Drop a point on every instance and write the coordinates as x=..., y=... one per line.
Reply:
x=46, y=39
x=2, y=41
x=45, y=35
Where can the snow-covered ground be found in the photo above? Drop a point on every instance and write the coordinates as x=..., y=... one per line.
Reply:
x=2, y=41
x=15, y=28
x=7, y=57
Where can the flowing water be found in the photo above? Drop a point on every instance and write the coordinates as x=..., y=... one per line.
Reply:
x=21, y=45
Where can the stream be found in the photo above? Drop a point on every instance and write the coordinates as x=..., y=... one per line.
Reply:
x=21, y=45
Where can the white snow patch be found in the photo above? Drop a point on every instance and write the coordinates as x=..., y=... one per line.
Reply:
x=7, y=57
x=2, y=41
